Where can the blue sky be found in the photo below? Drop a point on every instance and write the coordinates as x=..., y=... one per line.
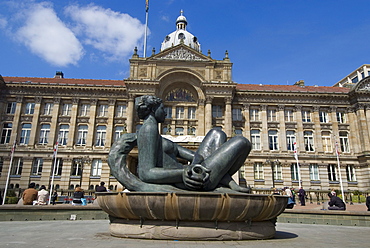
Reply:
x=269, y=41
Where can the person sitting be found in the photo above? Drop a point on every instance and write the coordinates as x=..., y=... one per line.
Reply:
x=42, y=196
x=336, y=203
x=30, y=195
x=77, y=196
x=368, y=203
x=101, y=188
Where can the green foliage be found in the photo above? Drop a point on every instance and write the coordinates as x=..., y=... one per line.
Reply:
x=11, y=193
x=11, y=200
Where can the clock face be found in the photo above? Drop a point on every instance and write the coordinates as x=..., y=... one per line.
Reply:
x=167, y=38
x=181, y=36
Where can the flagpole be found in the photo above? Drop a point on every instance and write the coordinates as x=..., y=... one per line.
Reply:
x=340, y=174
x=54, y=168
x=10, y=168
x=296, y=158
x=146, y=25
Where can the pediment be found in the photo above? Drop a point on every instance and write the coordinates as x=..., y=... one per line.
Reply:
x=363, y=85
x=181, y=53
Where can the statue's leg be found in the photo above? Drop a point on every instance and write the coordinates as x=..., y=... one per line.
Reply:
x=211, y=142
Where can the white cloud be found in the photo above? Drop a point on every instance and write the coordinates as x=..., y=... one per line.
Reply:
x=113, y=33
x=3, y=22
x=48, y=37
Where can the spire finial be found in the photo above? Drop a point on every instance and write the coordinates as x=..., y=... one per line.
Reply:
x=181, y=12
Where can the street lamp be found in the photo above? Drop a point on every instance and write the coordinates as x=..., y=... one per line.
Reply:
x=272, y=164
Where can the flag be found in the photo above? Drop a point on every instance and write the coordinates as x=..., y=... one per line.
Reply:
x=337, y=148
x=146, y=5
x=295, y=150
x=13, y=148
x=55, y=149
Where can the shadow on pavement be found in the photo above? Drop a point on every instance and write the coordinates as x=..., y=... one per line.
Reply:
x=285, y=235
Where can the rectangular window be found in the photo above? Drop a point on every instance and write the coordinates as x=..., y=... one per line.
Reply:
x=332, y=174
x=82, y=135
x=10, y=108
x=6, y=133
x=273, y=140
x=308, y=141
x=294, y=170
x=30, y=108
x=17, y=166
x=237, y=114
x=1, y=164
x=59, y=166
x=118, y=131
x=96, y=167
x=37, y=166
x=25, y=134
x=341, y=117
x=314, y=172
x=256, y=139
x=288, y=115
x=48, y=108
x=278, y=173
x=271, y=115
x=290, y=140
x=351, y=174
x=76, y=167
x=67, y=109
x=103, y=110
x=254, y=115
x=238, y=132
x=191, y=130
x=44, y=134
x=101, y=132
x=324, y=117
x=191, y=113
x=179, y=131
x=84, y=110
x=180, y=113
x=217, y=111
x=63, y=134
x=258, y=171
x=168, y=111
x=344, y=144
x=326, y=141
x=121, y=111
x=306, y=116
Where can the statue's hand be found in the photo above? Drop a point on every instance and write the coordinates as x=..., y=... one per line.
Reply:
x=195, y=176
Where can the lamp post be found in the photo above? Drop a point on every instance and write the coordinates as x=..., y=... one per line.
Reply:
x=272, y=164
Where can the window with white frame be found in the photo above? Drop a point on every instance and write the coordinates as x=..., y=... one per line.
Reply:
x=308, y=141
x=10, y=108
x=237, y=114
x=351, y=173
x=290, y=140
x=324, y=117
x=332, y=174
x=238, y=131
x=44, y=134
x=278, y=171
x=256, y=139
x=294, y=171
x=179, y=131
x=48, y=108
x=314, y=172
x=17, y=166
x=341, y=117
x=118, y=131
x=30, y=108
x=254, y=115
x=168, y=111
x=180, y=113
x=37, y=166
x=96, y=167
x=258, y=171
x=6, y=133
x=273, y=140
x=121, y=110
x=191, y=130
x=77, y=167
x=82, y=135
x=306, y=116
x=191, y=113
x=101, y=132
x=344, y=143
x=271, y=115
x=326, y=141
x=288, y=115
x=103, y=110
x=58, y=168
x=84, y=110
x=63, y=134
x=217, y=111
x=67, y=109
x=25, y=134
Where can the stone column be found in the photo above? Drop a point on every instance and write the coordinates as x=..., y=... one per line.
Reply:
x=363, y=128
x=282, y=129
x=368, y=117
x=201, y=118
x=54, y=123
x=111, y=111
x=130, y=113
x=72, y=123
x=228, y=116
x=35, y=121
x=299, y=134
x=354, y=134
x=317, y=126
x=334, y=122
x=26, y=172
x=247, y=124
x=16, y=121
x=208, y=114
x=91, y=129
x=264, y=133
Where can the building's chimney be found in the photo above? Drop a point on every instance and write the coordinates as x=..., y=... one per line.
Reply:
x=59, y=74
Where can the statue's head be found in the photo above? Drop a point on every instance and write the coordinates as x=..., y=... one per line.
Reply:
x=147, y=104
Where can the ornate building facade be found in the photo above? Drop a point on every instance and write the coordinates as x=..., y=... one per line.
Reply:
x=86, y=116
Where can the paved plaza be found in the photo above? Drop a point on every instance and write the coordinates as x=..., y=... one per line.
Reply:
x=94, y=233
